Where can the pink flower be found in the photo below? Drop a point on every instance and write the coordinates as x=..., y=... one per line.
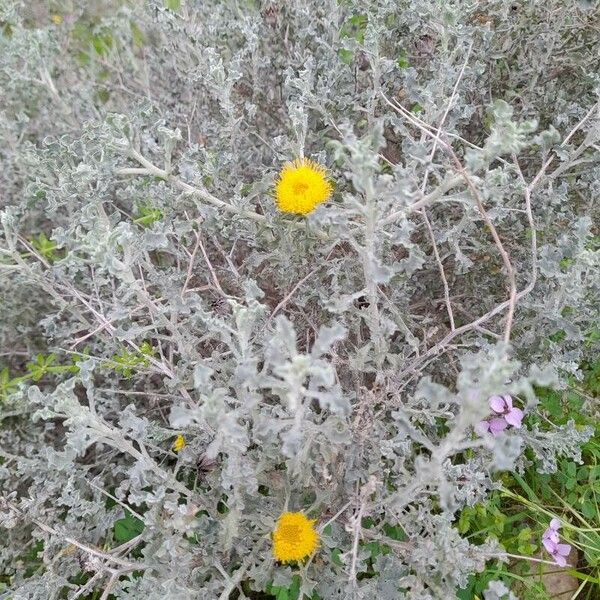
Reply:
x=552, y=532
x=501, y=405
x=550, y=539
x=494, y=426
x=559, y=553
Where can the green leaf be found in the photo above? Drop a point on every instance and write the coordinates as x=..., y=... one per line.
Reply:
x=103, y=96
x=136, y=35
x=345, y=55
x=464, y=521
x=282, y=594
x=147, y=215
x=551, y=403
x=173, y=4
x=402, y=61
x=102, y=43
x=83, y=58
x=395, y=532
x=127, y=528
x=294, y=590
x=44, y=247
x=335, y=557
x=8, y=385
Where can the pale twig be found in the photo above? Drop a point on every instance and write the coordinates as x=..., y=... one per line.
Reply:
x=446, y=112
x=528, y=558
x=335, y=517
x=441, y=345
x=476, y=196
x=98, y=329
x=425, y=128
x=424, y=185
x=227, y=258
x=67, y=538
x=529, y=213
x=89, y=585
x=133, y=171
x=440, y=268
x=356, y=528
x=442, y=188
x=153, y=170
x=512, y=280
x=479, y=327
x=111, y=583
x=368, y=489
x=296, y=287
x=423, y=124
x=210, y=267
x=190, y=269
x=548, y=162
x=116, y=439
x=105, y=324
x=115, y=499
x=233, y=581
x=289, y=295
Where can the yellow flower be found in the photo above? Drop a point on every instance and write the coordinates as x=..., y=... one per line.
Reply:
x=294, y=537
x=302, y=184
x=179, y=443
x=56, y=19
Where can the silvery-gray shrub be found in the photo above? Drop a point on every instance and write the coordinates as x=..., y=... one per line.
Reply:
x=334, y=364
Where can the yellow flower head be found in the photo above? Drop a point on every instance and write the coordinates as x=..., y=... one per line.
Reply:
x=178, y=444
x=294, y=537
x=56, y=19
x=302, y=184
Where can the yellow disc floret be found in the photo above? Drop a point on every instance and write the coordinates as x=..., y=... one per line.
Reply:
x=294, y=537
x=179, y=443
x=302, y=184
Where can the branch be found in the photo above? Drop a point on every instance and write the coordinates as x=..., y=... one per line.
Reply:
x=67, y=538
x=151, y=169
x=430, y=198
x=474, y=192
x=424, y=185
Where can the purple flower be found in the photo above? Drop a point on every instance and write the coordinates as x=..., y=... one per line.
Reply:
x=552, y=532
x=494, y=426
x=559, y=552
x=501, y=405
x=550, y=540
